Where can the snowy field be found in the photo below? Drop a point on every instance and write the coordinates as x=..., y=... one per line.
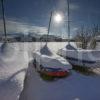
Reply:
x=74, y=87
x=14, y=62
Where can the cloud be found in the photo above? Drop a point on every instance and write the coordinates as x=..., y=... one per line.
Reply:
x=14, y=26
x=75, y=29
x=74, y=7
x=62, y=5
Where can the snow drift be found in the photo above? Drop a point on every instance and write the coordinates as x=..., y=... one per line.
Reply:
x=13, y=65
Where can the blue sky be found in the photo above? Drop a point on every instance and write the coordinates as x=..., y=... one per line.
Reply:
x=36, y=13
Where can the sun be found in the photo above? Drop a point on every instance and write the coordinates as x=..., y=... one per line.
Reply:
x=58, y=18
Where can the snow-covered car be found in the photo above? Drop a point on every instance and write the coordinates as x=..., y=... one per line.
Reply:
x=45, y=59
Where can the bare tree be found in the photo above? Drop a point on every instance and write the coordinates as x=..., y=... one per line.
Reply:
x=95, y=32
x=82, y=37
x=85, y=35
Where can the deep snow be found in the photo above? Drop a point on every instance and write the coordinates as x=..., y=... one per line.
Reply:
x=13, y=66
x=74, y=87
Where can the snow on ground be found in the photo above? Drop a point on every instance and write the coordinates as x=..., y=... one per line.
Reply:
x=13, y=66
x=74, y=87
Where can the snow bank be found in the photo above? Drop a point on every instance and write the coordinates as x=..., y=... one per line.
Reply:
x=7, y=50
x=13, y=65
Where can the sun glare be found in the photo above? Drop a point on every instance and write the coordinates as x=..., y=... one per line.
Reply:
x=58, y=18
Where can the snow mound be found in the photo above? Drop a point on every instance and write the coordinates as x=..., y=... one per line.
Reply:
x=45, y=50
x=12, y=71
x=7, y=50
